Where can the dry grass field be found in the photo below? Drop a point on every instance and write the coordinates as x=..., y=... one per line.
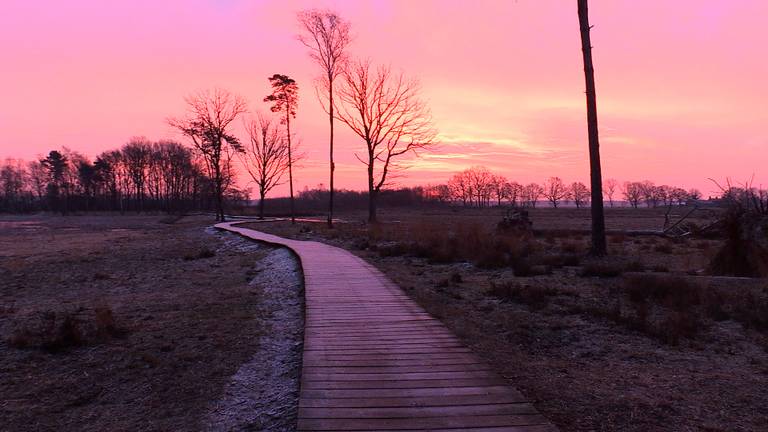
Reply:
x=126, y=323
x=642, y=340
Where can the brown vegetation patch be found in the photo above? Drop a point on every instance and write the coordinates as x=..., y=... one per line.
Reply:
x=637, y=351
x=108, y=327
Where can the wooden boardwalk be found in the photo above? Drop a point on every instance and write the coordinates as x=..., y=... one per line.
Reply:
x=374, y=360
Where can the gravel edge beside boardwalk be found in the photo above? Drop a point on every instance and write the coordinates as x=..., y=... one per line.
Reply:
x=263, y=394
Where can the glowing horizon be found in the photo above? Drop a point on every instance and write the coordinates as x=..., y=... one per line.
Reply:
x=680, y=84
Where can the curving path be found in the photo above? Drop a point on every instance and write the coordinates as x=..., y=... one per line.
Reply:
x=374, y=360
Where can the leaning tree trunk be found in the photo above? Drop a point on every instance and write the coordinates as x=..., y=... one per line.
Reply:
x=598, y=217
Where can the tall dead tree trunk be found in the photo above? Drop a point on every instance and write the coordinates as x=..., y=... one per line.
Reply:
x=290, y=165
x=327, y=37
x=598, y=215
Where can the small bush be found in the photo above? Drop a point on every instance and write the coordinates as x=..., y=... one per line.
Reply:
x=675, y=292
x=745, y=250
x=561, y=260
x=393, y=249
x=610, y=268
x=201, y=254
x=602, y=269
x=60, y=331
x=533, y=297
x=54, y=333
x=617, y=238
x=569, y=247
x=524, y=268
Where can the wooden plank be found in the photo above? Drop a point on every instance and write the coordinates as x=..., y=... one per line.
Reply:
x=397, y=368
x=410, y=392
x=407, y=412
x=421, y=423
x=313, y=375
x=423, y=401
x=384, y=384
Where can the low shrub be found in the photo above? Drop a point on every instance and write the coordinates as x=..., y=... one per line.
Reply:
x=524, y=268
x=201, y=254
x=60, y=331
x=533, y=297
x=610, y=268
x=675, y=292
x=459, y=242
x=561, y=260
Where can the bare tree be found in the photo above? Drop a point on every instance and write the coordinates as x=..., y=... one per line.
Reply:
x=285, y=99
x=209, y=116
x=265, y=156
x=650, y=193
x=37, y=178
x=458, y=184
x=599, y=244
x=633, y=193
x=513, y=192
x=555, y=190
x=13, y=178
x=385, y=110
x=500, y=189
x=136, y=156
x=531, y=194
x=327, y=37
x=481, y=185
x=609, y=188
x=580, y=194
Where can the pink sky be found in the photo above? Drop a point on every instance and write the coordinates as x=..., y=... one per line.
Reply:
x=682, y=85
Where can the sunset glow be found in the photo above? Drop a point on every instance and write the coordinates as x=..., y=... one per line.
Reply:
x=681, y=85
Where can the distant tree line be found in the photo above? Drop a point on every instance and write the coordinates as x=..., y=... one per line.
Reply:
x=479, y=187
x=142, y=175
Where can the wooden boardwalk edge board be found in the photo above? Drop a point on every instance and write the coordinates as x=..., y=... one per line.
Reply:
x=376, y=361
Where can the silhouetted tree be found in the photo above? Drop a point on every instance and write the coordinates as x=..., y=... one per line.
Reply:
x=609, y=188
x=651, y=193
x=579, y=194
x=57, y=189
x=265, y=157
x=555, y=190
x=599, y=245
x=327, y=37
x=137, y=155
x=499, y=184
x=531, y=193
x=37, y=178
x=633, y=193
x=209, y=116
x=385, y=110
x=13, y=178
x=285, y=99
x=513, y=192
x=88, y=179
x=460, y=189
